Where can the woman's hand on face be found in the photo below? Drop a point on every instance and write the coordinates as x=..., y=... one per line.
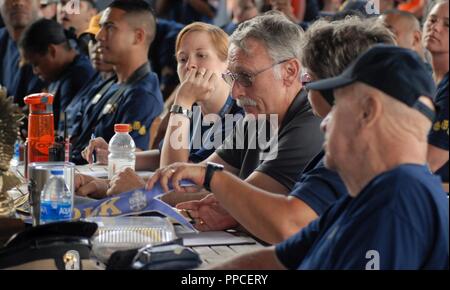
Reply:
x=198, y=86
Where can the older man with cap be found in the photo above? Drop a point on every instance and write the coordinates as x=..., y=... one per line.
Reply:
x=396, y=214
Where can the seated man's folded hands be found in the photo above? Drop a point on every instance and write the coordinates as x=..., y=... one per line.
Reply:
x=86, y=185
x=125, y=180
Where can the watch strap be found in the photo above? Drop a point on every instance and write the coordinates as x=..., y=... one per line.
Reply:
x=211, y=168
x=177, y=109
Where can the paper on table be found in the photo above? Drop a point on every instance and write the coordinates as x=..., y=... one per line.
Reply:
x=221, y=238
x=104, y=174
x=134, y=202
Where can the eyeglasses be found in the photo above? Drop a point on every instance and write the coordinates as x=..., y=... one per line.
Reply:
x=245, y=79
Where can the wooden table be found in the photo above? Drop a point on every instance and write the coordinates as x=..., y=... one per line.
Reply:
x=213, y=255
x=210, y=255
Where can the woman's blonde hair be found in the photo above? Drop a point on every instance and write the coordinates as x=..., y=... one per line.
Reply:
x=219, y=38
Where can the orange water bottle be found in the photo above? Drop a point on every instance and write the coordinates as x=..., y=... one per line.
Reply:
x=41, y=133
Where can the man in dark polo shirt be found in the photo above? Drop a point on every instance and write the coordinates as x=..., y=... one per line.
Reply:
x=265, y=78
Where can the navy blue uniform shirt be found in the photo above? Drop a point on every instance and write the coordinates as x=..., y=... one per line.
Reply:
x=78, y=102
x=139, y=105
x=398, y=221
x=69, y=83
x=439, y=133
x=318, y=186
x=19, y=80
x=80, y=131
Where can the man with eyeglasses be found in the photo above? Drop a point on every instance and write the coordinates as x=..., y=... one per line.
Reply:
x=264, y=75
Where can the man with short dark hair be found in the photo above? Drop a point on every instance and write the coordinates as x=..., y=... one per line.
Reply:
x=133, y=97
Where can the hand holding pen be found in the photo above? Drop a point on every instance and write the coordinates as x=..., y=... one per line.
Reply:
x=96, y=152
x=94, y=158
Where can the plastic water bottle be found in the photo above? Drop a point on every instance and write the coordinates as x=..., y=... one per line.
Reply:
x=121, y=150
x=41, y=133
x=56, y=199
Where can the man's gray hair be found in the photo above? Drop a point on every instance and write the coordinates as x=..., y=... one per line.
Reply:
x=329, y=47
x=280, y=36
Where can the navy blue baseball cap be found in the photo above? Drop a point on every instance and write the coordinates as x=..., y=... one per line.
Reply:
x=398, y=72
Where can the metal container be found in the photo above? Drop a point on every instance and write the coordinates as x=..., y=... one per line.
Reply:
x=38, y=175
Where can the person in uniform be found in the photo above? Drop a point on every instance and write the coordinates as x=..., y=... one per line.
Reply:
x=436, y=41
x=133, y=95
x=50, y=51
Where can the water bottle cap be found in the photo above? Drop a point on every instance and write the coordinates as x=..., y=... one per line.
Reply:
x=57, y=172
x=121, y=128
x=40, y=103
x=41, y=98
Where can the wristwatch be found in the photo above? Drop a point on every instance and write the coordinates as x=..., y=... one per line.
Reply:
x=211, y=168
x=177, y=109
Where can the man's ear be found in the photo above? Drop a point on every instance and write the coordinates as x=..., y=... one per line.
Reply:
x=417, y=38
x=291, y=72
x=52, y=51
x=371, y=110
x=139, y=35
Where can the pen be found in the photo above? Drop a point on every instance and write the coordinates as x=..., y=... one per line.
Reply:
x=66, y=140
x=94, y=157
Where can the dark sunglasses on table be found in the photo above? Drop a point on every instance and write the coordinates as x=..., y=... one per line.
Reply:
x=245, y=79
